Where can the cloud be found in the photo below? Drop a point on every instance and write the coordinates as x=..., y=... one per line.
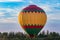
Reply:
x=8, y=20
x=31, y=2
x=53, y=16
x=58, y=4
x=11, y=0
x=8, y=15
x=8, y=10
x=10, y=27
x=12, y=12
x=1, y=14
x=46, y=7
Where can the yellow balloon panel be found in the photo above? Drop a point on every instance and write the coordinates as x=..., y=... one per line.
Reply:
x=38, y=18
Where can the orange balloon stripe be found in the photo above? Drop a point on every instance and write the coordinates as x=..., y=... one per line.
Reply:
x=33, y=18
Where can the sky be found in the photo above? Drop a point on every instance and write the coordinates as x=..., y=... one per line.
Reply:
x=9, y=10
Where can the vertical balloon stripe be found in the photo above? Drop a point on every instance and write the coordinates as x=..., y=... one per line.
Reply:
x=29, y=22
x=26, y=18
x=30, y=17
x=43, y=18
x=23, y=19
x=38, y=21
x=33, y=18
x=20, y=18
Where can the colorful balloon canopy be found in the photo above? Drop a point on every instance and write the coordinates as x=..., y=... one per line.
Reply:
x=32, y=19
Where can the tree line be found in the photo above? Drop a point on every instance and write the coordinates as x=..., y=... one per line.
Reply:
x=21, y=36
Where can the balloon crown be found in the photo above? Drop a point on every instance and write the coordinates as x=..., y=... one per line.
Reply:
x=32, y=8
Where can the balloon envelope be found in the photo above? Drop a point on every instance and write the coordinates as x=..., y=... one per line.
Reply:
x=32, y=19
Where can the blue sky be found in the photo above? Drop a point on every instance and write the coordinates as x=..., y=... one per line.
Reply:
x=9, y=10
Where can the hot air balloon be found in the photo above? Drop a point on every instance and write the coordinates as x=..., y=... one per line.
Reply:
x=32, y=19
